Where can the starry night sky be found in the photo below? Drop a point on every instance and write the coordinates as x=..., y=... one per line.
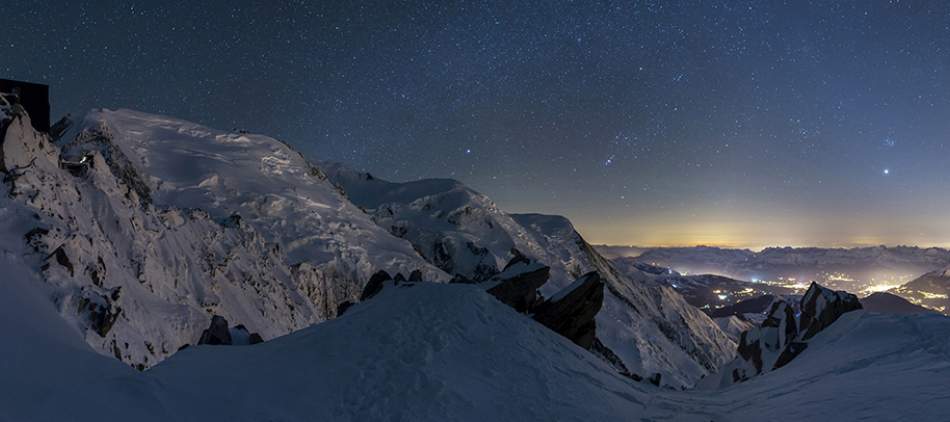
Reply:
x=646, y=122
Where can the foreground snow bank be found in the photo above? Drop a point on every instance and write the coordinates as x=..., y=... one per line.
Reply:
x=865, y=366
x=428, y=352
x=413, y=352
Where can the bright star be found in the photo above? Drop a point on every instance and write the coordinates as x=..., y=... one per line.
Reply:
x=887, y=171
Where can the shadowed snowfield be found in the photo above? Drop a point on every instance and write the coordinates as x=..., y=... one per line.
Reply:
x=451, y=352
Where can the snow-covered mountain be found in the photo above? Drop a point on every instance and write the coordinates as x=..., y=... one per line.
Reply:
x=853, y=269
x=261, y=179
x=146, y=220
x=646, y=325
x=931, y=290
x=147, y=226
x=708, y=292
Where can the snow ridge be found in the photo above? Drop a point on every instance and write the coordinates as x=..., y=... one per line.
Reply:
x=648, y=326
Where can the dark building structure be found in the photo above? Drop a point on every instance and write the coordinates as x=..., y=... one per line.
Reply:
x=33, y=97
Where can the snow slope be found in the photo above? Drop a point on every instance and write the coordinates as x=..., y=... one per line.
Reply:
x=48, y=371
x=425, y=352
x=648, y=326
x=865, y=366
x=434, y=352
x=733, y=326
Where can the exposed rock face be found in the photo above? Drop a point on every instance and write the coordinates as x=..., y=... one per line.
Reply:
x=571, y=313
x=375, y=284
x=790, y=352
x=100, y=310
x=342, y=307
x=822, y=306
x=217, y=333
x=96, y=232
x=518, y=285
x=779, y=327
x=749, y=350
x=781, y=338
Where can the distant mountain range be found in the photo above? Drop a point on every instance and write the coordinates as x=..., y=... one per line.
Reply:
x=860, y=270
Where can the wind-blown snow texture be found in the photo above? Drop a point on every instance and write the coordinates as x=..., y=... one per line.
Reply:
x=648, y=326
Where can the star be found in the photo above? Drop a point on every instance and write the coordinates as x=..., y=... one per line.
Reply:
x=887, y=171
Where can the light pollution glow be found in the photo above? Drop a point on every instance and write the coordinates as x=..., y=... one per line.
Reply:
x=755, y=232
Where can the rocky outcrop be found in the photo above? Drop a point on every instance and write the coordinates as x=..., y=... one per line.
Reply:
x=100, y=311
x=342, y=307
x=217, y=333
x=571, y=312
x=375, y=284
x=518, y=285
x=822, y=306
x=779, y=326
x=781, y=337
